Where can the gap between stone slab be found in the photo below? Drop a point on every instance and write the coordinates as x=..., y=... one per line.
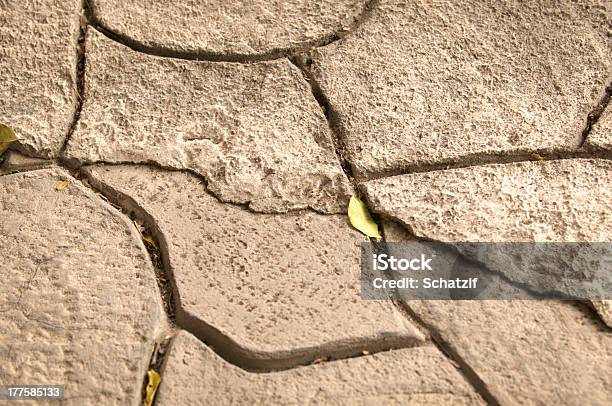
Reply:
x=453, y=357
x=479, y=159
x=223, y=345
x=338, y=135
x=80, y=77
x=73, y=164
x=596, y=113
x=274, y=54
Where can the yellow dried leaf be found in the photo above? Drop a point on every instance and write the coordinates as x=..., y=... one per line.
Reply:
x=360, y=218
x=148, y=239
x=153, y=382
x=7, y=136
x=62, y=185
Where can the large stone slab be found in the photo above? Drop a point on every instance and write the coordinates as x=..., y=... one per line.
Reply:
x=221, y=28
x=564, y=200
x=418, y=376
x=425, y=83
x=524, y=352
x=556, y=353
x=267, y=291
x=527, y=352
x=38, y=98
x=78, y=300
x=253, y=130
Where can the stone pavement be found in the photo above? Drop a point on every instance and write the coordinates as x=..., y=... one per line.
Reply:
x=177, y=196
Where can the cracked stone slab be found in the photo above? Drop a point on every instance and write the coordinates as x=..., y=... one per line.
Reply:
x=38, y=96
x=527, y=352
x=426, y=84
x=249, y=29
x=418, y=376
x=270, y=291
x=254, y=131
x=78, y=300
x=564, y=200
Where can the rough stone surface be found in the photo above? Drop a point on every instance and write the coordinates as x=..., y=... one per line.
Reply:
x=253, y=130
x=425, y=83
x=217, y=27
x=38, y=63
x=416, y=376
x=604, y=309
x=564, y=200
x=273, y=290
x=601, y=133
x=78, y=301
x=527, y=352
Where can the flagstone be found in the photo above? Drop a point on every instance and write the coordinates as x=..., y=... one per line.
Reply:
x=269, y=290
x=38, y=54
x=218, y=28
x=79, y=305
x=424, y=84
x=254, y=131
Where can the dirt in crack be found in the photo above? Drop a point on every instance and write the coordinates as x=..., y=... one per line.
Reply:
x=597, y=111
x=163, y=281
x=152, y=246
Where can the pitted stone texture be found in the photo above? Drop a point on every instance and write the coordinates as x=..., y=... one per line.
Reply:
x=564, y=200
x=194, y=375
x=257, y=28
x=38, y=55
x=78, y=300
x=600, y=136
x=527, y=352
x=275, y=290
x=253, y=130
x=424, y=83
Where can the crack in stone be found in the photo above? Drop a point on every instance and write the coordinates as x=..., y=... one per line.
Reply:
x=596, y=113
x=72, y=164
x=462, y=367
x=274, y=54
x=80, y=77
x=303, y=64
x=479, y=159
x=160, y=350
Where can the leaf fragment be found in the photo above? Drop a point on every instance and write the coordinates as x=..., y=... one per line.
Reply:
x=62, y=185
x=360, y=218
x=153, y=382
x=7, y=136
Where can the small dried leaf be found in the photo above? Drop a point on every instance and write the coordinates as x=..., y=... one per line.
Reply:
x=7, y=136
x=153, y=382
x=148, y=239
x=62, y=185
x=360, y=218
x=537, y=157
